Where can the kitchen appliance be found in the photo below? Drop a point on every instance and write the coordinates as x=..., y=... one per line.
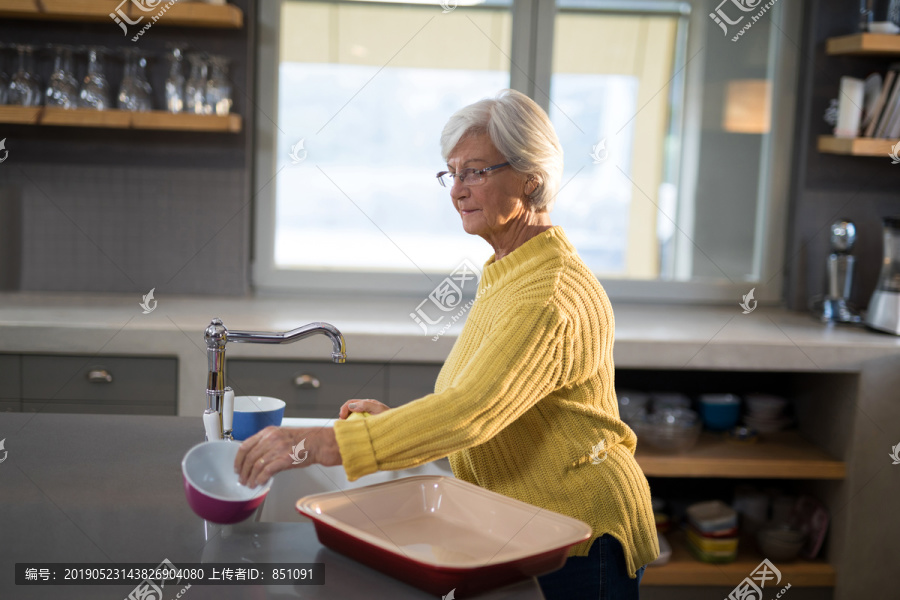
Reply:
x=834, y=307
x=884, y=307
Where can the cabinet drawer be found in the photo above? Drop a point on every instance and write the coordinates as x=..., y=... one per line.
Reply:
x=131, y=380
x=408, y=382
x=10, y=376
x=279, y=379
x=97, y=408
x=10, y=406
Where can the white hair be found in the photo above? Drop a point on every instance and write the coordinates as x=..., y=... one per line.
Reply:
x=521, y=131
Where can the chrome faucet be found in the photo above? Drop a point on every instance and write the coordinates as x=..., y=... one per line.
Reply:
x=217, y=336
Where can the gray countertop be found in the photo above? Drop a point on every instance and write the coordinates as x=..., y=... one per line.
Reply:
x=108, y=489
x=380, y=329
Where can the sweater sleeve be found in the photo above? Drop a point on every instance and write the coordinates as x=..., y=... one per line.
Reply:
x=518, y=362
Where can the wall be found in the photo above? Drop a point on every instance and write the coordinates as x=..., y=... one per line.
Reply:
x=826, y=187
x=126, y=211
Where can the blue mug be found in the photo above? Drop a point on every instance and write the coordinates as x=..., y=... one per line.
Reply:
x=252, y=414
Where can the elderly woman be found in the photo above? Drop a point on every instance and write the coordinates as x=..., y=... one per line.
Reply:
x=525, y=404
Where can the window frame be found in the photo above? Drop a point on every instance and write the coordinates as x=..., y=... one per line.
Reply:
x=532, y=40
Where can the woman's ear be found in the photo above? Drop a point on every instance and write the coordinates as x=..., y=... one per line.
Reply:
x=531, y=185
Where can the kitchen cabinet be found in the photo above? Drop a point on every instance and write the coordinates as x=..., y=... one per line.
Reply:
x=10, y=378
x=806, y=460
x=309, y=388
x=407, y=382
x=314, y=389
x=93, y=384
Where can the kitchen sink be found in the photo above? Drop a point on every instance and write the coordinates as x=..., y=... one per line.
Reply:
x=291, y=485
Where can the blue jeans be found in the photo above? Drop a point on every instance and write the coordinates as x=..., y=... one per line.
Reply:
x=601, y=575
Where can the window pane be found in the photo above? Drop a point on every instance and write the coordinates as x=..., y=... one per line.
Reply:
x=611, y=108
x=368, y=88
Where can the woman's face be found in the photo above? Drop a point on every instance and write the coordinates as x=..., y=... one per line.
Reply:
x=486, y=209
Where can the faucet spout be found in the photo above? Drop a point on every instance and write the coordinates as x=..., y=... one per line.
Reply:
x=217, y=336
x=339, y=350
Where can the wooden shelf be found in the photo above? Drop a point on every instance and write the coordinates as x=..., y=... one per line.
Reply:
x=120, y=119
x=183, y=14
x=785, y=455
x=20, y=115
x=84, y=117
x=856, y=146
x=684, y=569
x=864, y=44
x=185, y=122
x=197, y=14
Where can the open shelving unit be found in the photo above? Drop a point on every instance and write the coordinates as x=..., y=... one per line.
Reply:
x=782, y=455
x=855, y=146
x=683, y=569
x=860, y=44
x=785, y=455
x=864, y=44
x=120, y=119
x=183, y=14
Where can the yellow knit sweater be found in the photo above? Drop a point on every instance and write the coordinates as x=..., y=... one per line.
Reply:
x=525, y=403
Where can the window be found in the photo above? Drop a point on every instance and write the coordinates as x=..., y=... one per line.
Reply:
x=667, y=138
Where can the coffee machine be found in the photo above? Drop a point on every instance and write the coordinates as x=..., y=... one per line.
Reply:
x=884, y=307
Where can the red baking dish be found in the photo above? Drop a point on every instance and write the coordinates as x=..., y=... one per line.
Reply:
x=440, y=533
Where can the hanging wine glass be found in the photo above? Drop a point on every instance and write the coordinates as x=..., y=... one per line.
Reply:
x=24, y=85
x=63, y=88
x=95, y=87
x=218, y=88
x=195, y=88
x=175, y=81
x=135, y=92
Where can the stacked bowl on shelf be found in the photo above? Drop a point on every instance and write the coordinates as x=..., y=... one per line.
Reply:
x=712, y=531
x=765, y=413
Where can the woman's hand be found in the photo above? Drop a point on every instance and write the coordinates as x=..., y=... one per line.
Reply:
x=373, y=407
x=272, y=450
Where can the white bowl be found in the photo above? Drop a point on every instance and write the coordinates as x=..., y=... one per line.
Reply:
x=213, y=489
x=766, y=406
x=884, y=27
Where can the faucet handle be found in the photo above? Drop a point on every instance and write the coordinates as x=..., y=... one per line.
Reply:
x=228, y=414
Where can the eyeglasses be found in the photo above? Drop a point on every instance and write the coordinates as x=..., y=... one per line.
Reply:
x=466, y=176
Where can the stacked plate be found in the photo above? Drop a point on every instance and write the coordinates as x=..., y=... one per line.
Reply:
x=765, y=413
x=712, y=532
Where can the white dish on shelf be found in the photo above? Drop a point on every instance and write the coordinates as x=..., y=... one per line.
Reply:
x=665, y=551
x=887, y=27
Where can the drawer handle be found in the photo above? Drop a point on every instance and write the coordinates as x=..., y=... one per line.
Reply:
x=99, y=376
x=307, y=382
